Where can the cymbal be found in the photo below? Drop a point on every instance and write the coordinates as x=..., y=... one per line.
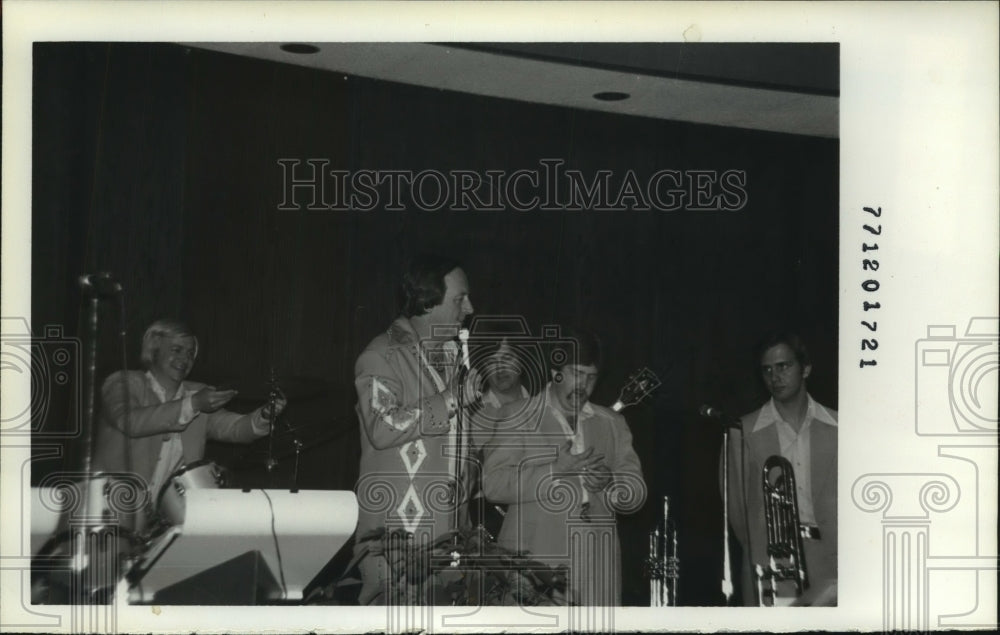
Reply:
x=294, y=388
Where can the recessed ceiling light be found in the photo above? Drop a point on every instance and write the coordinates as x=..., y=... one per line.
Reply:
x=300, y=49
x=611, y=96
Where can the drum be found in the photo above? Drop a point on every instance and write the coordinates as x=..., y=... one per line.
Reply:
x=197, y=475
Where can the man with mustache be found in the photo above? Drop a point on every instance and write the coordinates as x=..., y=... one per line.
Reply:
x=798, y=428
x=565, y=469
x=408, y=385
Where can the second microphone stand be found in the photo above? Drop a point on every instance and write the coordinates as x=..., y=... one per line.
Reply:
x=274, y=391
x=460, y=451
x=727, y=581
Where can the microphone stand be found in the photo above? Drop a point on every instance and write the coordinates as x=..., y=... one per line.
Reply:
x=727, y=581
x=132, y=518
x=272, y=461
x=90, y=381
x=81, y=542
x=460, y=451
x=272, y=397
x=298, y=445
x=726, y=423
x=298, y=451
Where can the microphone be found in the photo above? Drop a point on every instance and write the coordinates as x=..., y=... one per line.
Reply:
x=463, y=337
x=100, y=283
x=711, y=412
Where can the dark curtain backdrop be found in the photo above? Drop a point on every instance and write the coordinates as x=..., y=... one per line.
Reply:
x=160, y=164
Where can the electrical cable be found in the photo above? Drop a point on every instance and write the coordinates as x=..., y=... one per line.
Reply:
x=277, y=548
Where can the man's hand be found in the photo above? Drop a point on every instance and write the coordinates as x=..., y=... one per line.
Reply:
x=208, y=399
x=279, y=407
x=597, y=477
x=569, y=464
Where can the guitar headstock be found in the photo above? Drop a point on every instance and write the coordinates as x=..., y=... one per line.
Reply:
x=638, y=387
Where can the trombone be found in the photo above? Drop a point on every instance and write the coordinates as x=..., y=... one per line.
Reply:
x=662, y=563
x=785, y=555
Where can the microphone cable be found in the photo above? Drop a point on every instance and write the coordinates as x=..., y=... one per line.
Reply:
x=277, y=547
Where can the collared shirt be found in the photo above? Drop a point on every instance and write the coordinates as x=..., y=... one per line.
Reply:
x=490, y=398
x=795, y=446
x=171, y=451
x=577, y=436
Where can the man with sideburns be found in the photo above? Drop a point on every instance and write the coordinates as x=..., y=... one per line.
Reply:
x=409, y=384
x=795, y=426
x=564, y=470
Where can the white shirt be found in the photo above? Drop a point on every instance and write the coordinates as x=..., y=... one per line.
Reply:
x=490, y=398
x=794, y=446
x=172, y=450
x=577, y=436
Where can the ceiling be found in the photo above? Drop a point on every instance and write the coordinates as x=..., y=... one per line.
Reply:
x=778, y=87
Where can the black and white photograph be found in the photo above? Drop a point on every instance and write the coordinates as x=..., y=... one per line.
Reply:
x=281, y=208
x=479, y=332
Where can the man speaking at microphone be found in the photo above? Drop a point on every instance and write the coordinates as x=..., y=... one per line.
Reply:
x=792, y=424
x=409, y=387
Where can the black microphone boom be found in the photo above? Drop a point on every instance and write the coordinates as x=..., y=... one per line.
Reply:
x=711, y=412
